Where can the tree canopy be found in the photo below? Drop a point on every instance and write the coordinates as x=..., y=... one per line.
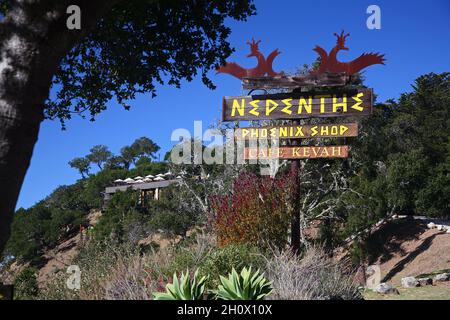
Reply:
x=139, y=44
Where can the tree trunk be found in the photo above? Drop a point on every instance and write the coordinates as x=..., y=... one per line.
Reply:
x=33, y=40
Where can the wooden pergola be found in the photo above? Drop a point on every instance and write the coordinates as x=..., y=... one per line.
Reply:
x=145, y=188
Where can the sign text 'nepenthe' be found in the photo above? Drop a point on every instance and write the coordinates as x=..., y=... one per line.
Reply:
x=298, y=105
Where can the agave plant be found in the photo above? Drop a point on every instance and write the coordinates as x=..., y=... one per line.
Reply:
x=183, y=288
x=244, y=286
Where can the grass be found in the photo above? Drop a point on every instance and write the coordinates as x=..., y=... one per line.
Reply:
x=435, y=292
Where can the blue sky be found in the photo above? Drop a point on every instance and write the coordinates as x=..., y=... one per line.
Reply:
x=414, y=36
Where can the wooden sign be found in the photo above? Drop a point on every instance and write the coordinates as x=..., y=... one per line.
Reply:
x=311, y=80
x=298, y=132
x=298, y=105
x=304, y=152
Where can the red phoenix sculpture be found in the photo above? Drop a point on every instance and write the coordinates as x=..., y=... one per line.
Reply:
x=329, y=62
x=264, y=65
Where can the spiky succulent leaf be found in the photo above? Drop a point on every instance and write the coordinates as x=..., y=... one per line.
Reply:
x=184, y=288
x=247, y=285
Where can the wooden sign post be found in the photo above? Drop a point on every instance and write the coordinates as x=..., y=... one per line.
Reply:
x=317, y=102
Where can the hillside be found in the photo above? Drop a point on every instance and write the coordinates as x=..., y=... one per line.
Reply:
x=55, y=259
x=411, y=249
x=407, y=247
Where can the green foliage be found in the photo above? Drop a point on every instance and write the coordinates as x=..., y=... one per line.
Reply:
x=99, y=155
x=128, y=156
x=247, y=285
x=222, y=260
x=4, y=6
x=139, y=153
x=62, y=224
x=145, y=147
x=402, y=158
x=94, y=187
x=68, y=198
x=184, y=288
x=140, y=44
x=167, y=213
x=417, y=148
x=41, y=227
x=82, y=165
x=25, y=284
x=121, y=207
x=27, y=233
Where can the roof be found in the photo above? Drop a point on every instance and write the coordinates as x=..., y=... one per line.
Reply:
x=142, y=186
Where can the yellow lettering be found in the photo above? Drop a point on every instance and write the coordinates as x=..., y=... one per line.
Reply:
x=357, y=105
x=314, y=131
x=273, y=132
x=239, y=108
x=254, y=104
x=324, y=131
x=322, y=98
x=299, y=132
x=254, y=133
x=303, y=104
x=288, y=104
x=334, y=130
x=343, y=129
x=263, y=133
x=342, y=104
x=296, y=152
x=283, y=132
x=269, y=109
x=244, y=132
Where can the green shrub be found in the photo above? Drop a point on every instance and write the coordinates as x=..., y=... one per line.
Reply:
x=247, y=285
x=25, y=285
x=165, y=217
x=111, y=224
x=222, y=261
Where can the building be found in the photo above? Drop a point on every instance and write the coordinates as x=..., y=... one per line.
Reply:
x=148, y=186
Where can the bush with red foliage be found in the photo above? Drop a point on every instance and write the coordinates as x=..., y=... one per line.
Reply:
x=257, y=211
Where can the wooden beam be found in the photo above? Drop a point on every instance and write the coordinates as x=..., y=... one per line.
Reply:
x=321, y=80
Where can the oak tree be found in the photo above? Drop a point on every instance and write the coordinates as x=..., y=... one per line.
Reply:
x=122, y=49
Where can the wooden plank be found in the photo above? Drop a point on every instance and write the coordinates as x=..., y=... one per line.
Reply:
x=298, y=131
x=304, y=152
x=321, y=80
x=336, y=103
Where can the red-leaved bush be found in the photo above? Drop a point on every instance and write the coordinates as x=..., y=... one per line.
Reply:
x=256, y=212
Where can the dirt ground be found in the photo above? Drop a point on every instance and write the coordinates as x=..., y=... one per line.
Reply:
x=409, y=248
